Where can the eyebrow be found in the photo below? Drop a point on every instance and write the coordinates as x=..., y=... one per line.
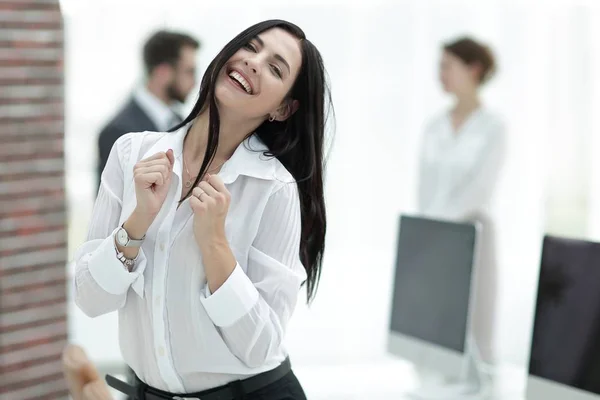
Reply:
x=277, y=56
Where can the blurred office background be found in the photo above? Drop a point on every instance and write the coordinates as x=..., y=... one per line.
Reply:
x=383, y=59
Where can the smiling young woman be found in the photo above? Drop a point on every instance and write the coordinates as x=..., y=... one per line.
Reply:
x=202, y=237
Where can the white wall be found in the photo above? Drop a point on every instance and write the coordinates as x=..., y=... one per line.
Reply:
x=383, y=66
x=594, y=220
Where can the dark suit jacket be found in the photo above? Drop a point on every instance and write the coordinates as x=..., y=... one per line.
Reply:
x=131, y=118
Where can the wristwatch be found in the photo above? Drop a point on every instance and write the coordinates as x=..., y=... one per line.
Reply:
x=123, y=239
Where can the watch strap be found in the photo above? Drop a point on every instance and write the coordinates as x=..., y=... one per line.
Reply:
x=132, y=242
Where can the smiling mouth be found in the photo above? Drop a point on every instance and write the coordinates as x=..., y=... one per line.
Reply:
x=240, y=81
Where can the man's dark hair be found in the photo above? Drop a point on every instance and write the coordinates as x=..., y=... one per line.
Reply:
x=165, y=47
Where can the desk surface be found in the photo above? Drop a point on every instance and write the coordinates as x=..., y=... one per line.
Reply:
x=387, y=379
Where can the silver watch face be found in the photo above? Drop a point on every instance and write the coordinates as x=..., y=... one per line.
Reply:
x=122, y=237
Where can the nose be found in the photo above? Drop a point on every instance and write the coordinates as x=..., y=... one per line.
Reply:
x=252, y=65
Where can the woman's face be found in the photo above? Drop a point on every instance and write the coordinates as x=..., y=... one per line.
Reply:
x=256, y=80
x=456, y=76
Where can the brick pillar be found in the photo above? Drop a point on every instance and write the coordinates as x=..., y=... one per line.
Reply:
x=33, y=229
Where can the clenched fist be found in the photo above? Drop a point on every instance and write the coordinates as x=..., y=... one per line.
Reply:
x=152, y=178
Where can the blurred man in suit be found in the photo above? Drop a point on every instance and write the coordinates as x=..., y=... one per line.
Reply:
x=170, y=65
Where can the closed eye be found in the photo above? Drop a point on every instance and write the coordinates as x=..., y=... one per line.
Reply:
x=249, y=46
x=274, y=68
x=276, y=71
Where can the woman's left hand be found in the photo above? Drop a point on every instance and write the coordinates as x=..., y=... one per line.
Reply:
x=210, y=203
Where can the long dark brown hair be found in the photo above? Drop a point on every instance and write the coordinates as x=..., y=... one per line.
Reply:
x=297, y=142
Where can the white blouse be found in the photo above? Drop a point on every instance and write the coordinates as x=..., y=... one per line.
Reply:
x=173, y=332
x=459, y=169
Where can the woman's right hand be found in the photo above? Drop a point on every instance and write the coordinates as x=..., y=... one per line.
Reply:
x=152, y=177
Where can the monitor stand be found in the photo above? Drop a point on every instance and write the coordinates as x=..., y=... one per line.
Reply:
x=473, y=382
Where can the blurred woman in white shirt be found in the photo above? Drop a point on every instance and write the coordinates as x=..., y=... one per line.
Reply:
x=462, y=152
x=202, y=237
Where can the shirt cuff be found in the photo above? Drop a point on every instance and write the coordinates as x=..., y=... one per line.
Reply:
x=234, y=299
x=110, y=273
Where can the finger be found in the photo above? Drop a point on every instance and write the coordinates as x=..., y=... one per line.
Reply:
x=149, y=179
x=222, y=196
x=197, y=206
x=152, y=178
x=155, y=156
x=217, y=183
x=160, y=168
x=171, y=157
x=163, y=160
x=197, y=192
x=160, y=157
x=208, y=189
x=205, y=197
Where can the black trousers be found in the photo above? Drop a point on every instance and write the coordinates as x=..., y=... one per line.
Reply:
x=286, y=388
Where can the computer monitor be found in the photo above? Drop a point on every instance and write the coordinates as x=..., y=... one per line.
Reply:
x=432, y=290
x=565, y=347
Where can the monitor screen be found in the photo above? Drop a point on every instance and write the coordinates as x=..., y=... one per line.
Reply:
x=433, y=281
x=565, y=346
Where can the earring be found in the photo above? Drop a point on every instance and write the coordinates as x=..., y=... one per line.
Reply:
x=271, y=118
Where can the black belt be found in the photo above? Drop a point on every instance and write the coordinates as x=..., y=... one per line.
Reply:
x=231, y=391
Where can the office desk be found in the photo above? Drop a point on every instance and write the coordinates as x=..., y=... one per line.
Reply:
x=387, y=379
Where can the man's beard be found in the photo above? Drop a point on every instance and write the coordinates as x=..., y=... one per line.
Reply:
x=174, y=94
